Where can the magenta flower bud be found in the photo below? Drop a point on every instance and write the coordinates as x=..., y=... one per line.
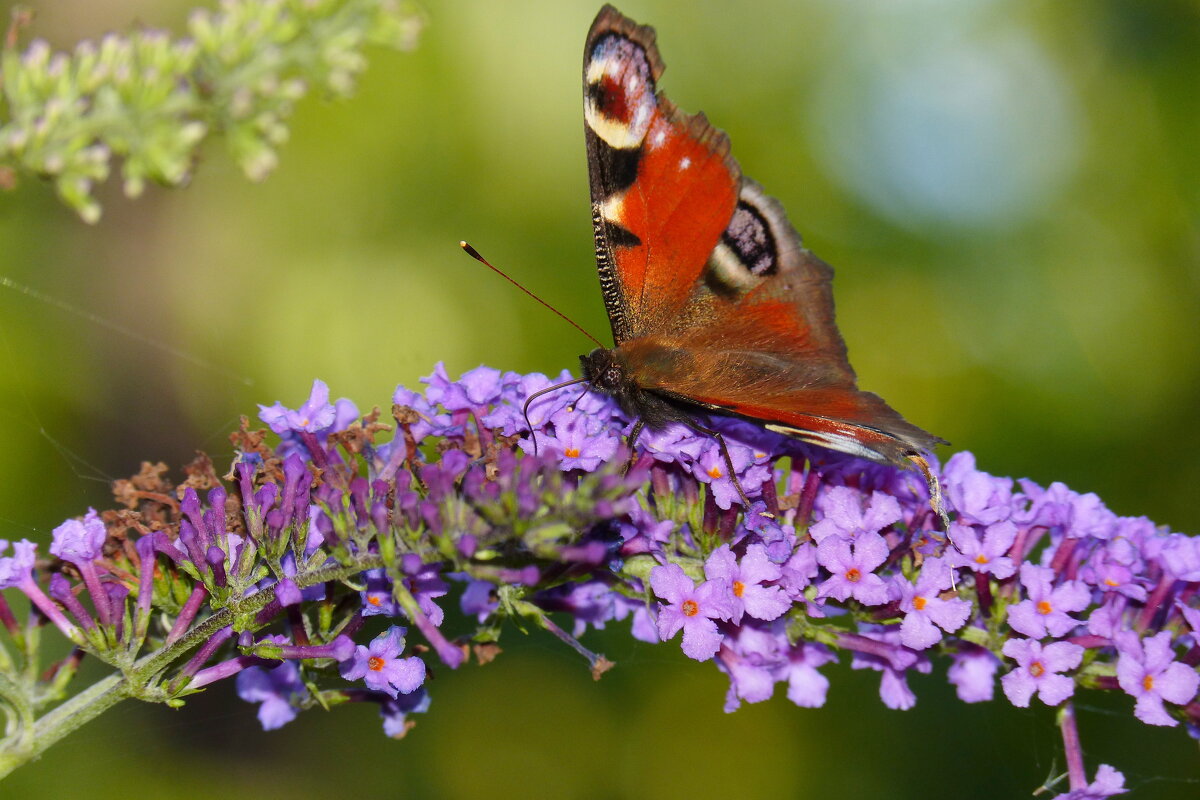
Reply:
x=79, y=541
x=16, y=569
x=339, y=649
x=189, y=504
x=215, y=558
x=60, y=590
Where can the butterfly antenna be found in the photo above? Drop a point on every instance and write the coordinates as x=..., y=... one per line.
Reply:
x=473, y=253
x=582, y=395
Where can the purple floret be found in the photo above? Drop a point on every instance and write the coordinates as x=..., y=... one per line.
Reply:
x=747, y=580
x=692, y=608
x=852, y=568
x=925, y=611
x=277, y=690
x=1148, y=671
x=1044, y=612
x=380, y=667
x=847, y=516
x=1037, y=671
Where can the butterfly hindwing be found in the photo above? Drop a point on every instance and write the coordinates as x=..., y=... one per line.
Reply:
x=758, y=340
x=761, y=289
x=662, y=182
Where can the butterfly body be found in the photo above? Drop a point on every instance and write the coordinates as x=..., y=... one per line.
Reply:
x=715, y=305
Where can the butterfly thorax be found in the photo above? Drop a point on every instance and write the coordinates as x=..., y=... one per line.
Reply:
x=610, y=372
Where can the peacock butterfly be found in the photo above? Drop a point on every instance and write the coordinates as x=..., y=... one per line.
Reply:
x=715, y=306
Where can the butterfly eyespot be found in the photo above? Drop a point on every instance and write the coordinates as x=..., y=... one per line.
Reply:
x=749, y=237
x=619, y=102
x=610, y=99
x=746, y=254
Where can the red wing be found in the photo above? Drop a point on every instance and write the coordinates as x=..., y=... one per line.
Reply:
x=663, y=185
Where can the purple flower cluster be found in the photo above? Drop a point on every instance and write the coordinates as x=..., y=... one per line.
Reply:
x=1043, y=588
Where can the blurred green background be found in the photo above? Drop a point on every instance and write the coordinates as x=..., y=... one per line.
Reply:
x=1009, y=192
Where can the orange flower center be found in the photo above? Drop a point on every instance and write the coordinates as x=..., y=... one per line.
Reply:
x=1044, y=607
x=1037, y=669
x=738, y=588
x=853, y=575
x=374, y=600
x=919, y=602
x=571, y=452
x=1111, y=582
x=1148, y=683
x=981, y=559
x=375, y=663
x=714, y=473
x=690, y=608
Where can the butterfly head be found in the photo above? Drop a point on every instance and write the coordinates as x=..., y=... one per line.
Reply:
x=604, y=371
x=607, y=371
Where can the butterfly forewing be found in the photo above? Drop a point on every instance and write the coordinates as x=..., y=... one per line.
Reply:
x=663, y=185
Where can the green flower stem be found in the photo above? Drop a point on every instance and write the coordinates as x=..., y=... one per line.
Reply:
x=598, y=663
x=107, y=692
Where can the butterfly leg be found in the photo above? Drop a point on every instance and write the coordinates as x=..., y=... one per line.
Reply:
x=728, y=460
x=936, y=501
x=630, y=442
